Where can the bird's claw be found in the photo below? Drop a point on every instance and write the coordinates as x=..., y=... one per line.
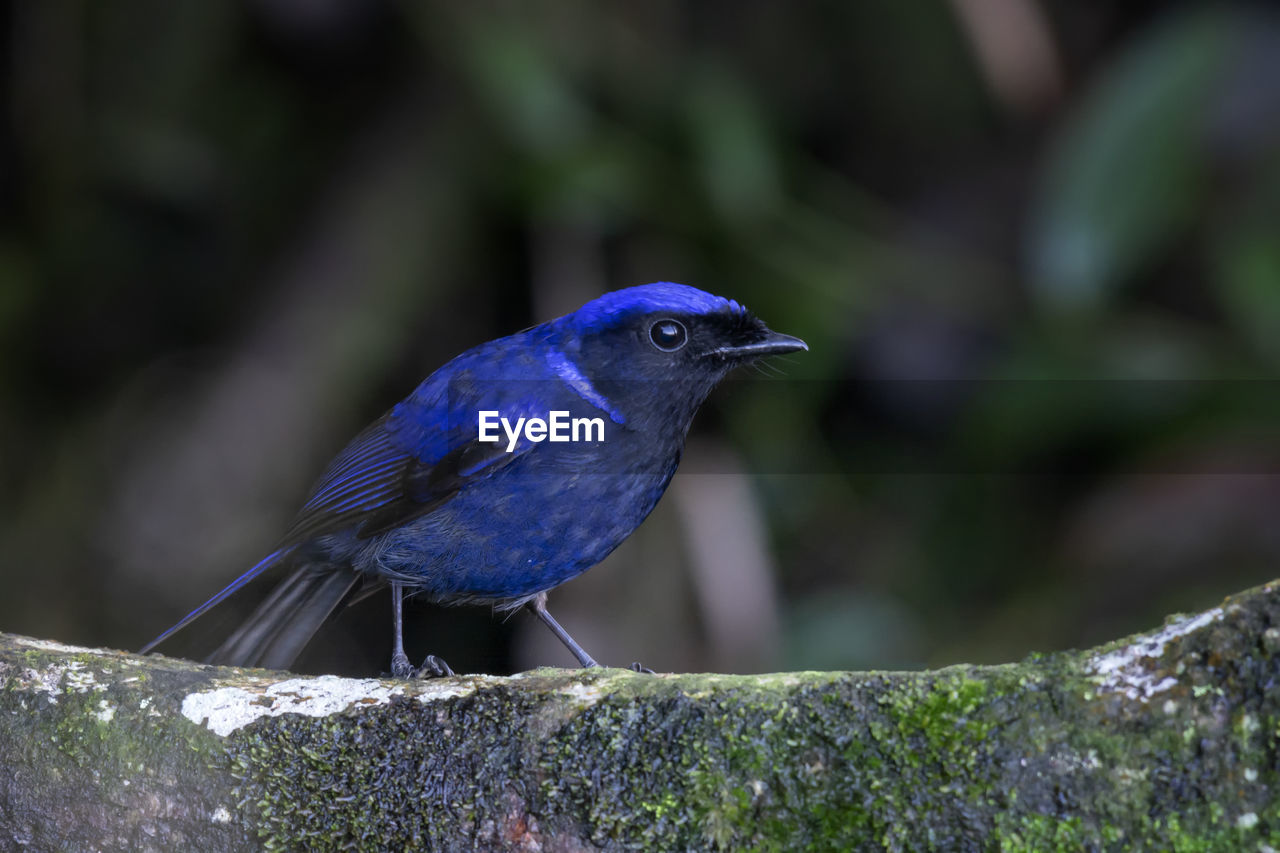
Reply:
x=639, y=667
x=400, y=666
x=434, y=667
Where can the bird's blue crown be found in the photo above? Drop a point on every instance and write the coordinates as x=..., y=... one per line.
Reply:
x=660, y=296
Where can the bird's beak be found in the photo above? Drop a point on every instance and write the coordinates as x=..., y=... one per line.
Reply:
x=773, y=343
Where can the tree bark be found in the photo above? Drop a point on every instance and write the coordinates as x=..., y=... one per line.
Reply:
x=1166, y=740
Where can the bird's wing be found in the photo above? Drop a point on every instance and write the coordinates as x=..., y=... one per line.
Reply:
x=423, y=488
x=404, y=465
x=364, y=477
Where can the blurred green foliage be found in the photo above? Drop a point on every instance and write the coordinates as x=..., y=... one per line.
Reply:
x=1038, y=409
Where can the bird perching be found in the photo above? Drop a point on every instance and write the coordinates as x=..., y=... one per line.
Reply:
x=427, y=501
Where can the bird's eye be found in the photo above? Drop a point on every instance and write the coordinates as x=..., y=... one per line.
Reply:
x=668, y=335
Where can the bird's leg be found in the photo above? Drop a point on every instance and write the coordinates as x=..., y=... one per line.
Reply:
x=432, y=667
x=400, y=666
x=539, y=607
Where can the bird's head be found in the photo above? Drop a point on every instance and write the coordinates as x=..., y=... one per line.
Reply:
x=660, y=348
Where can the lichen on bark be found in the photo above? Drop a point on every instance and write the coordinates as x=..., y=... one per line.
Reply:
x=1166, y=740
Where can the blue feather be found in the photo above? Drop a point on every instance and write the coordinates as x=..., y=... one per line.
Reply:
x=418, y=501
x=230, y=589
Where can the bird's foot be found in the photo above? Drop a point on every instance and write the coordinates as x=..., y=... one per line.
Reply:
x=639, y=667
x=434, y=667
x=400, y=666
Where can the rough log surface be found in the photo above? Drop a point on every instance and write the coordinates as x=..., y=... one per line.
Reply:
x=1163, y=741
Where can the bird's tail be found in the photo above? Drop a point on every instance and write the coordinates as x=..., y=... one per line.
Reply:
x=283, y=624
x=267, y=562
x=275, y=634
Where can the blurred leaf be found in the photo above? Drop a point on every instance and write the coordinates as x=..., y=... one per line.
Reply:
x=525, y=91
x=1085, y=387
x=1250, y=271
x=1124, y=177
x=1247, y=261
x=838, y=630
x=17, y=286
x=586, y=184
x=735, y=155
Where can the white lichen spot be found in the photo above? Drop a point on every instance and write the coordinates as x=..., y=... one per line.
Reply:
x=42, y=681
x=1123, y=671
x=585, y=695
x=430, y=691
x=106, y=711
x=56, y=678
x=227, y=709
x=1250, y=775
x=1071, y=762
x=1248, y=820
x=220, y=815
x=79, y=680
x=1130, y=775
x=51, y=646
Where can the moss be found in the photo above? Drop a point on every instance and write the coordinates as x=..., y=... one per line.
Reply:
x=946, y=760
x=91, y=735
x=1044, y=755
x=725, y=764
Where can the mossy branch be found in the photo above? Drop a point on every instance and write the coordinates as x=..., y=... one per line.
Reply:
x=1166, y=740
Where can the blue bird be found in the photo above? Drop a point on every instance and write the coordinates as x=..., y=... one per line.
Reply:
x=473, y=489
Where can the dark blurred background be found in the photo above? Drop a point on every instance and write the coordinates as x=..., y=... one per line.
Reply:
x=1034, y=246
